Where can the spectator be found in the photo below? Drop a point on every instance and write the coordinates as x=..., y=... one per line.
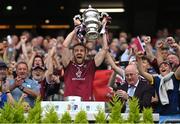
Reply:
x=23, y=84
x=53, y=74
x=38, y=75
x=114, y=49
x=53, y=86
x=3, y=53
x=123, y=35
x=173, y=57
x=38, y=61
x=25, y=105
x=11, y=70
x=49, y=84
x=5, y=94
x=135, y=86
x=167, y=88
x=3, y=74
x=174, y=61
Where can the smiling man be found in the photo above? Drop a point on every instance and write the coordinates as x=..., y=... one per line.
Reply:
x=135, y=86
x=23, y=84
x=79, y=72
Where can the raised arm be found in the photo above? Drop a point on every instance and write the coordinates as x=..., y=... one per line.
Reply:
x=117, y=69
x=5, y=56
x=148, y=48
x=159, y=51
x=49, y=61
x=30, y=62
x=23, y=40
x=142, y=72
x=99, y=58
x=66, y=53
x=70, y=36
x=172, y=43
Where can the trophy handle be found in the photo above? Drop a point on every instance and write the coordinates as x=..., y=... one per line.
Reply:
x=104, y=14
x=77, y=17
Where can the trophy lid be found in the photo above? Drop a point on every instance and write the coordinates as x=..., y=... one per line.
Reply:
x=90, y=9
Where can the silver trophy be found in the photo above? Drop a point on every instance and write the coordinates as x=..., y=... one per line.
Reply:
x=91, y=19
x=91, y=23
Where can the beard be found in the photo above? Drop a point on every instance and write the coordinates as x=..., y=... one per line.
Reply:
x=79, y=60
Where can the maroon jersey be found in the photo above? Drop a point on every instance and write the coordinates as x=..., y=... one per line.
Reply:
x=79, y=80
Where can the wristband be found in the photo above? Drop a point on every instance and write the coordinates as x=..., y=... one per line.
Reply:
x=21, y=88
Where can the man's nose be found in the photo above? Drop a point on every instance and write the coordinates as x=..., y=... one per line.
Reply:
x=79, y=51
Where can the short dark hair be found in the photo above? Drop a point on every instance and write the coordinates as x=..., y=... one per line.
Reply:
x=22, y=62
x=79, y=44
x=3, y=64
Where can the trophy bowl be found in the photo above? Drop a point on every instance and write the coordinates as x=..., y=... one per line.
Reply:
x=91, y=20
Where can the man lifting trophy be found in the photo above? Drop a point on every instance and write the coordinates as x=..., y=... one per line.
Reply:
x=91, y=26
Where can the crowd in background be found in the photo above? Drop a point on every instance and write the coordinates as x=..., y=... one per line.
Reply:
x=39, y=59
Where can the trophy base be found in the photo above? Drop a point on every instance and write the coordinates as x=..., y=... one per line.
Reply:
x=92, y=36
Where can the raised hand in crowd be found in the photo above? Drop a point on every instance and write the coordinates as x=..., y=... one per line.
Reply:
x=25, y=104
x=23, y=39
x=173, y=45
x=160, y=53
x=142, y=71
x=170, y=41
x=24, y=95
x=147, y=39
x=160, y=44
x=55, y=78
x=149, y=49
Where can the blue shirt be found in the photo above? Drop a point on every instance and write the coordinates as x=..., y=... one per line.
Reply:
x=3, y=99
x=173, y=95
x=28, y=83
